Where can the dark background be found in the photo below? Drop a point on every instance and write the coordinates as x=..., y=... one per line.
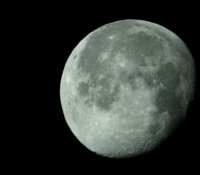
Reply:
x=54, y=31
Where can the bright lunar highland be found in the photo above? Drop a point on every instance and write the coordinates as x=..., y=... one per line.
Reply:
x=126, y=87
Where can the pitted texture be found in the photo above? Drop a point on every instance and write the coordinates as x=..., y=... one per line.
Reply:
x=126, y=86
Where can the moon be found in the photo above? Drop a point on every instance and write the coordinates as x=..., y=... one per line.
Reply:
x=126, y=87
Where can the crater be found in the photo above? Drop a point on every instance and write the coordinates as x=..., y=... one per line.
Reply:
x=74, y=57
x=154, y=128
x=149, y=80
x=169, y=76
x=166, y=100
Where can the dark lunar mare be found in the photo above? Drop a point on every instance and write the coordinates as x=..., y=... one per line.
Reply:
x=168, y=76
x=166, y=99
x=83, y=88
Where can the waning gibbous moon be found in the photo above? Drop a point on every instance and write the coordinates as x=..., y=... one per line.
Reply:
x=126, y=87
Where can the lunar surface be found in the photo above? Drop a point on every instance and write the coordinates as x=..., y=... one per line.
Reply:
x=126, y=87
